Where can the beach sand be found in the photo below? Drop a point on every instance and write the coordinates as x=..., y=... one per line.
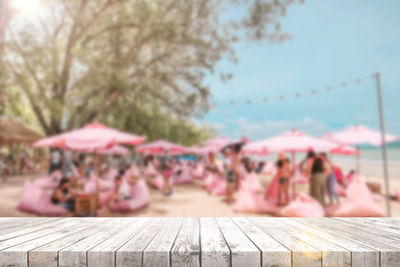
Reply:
x=187, y=201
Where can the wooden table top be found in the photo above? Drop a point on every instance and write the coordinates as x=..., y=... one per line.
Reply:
x=200, y=242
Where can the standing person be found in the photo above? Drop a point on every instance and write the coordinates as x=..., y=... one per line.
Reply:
x=68, y=163
x=230, y=175
x=56, y=162
x=308, y=162
x=235, y=164
x=330, y=179
x=166, y=169
x=318, y=181
x=22, y=158
x=283, y=174
x=3, y=167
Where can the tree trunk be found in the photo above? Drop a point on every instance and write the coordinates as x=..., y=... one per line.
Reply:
x=4, y=18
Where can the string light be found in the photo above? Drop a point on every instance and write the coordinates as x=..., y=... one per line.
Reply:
x=298, y=95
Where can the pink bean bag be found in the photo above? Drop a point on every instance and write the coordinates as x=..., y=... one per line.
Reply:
x=398, y=194
x=46, y=182
x=209, y=178
x=219, y=189
x=35, y=200
x=111, y=174
x=182, y=175
x=340, y=190
x=253, y=182
x=132, y=171
x=150, y=171
x=198, y=172
x=303, y=206
x=140, y=198
x=93, y=184
x=158, y=182
x=359, y=202
x=250, y=202
x=299, y=177
x=49, y=182
x=213, y=182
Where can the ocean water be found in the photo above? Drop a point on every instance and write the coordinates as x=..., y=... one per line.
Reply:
x=370, y=161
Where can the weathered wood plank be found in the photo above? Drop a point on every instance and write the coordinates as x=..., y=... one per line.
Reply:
x=370, y=232
x=186, y=249
x=214, y=250
x=332, y=255
x=389, y=255
x=17, y=256
x=15, y=224
x=157, y=254
x=76, y=255
x=361, y=255
x=302, y=253
x=103, y=255
x=27, y=226
x=243, y=251
x=371, y=227
x=131, y=254
x=47, y=255
x=200, y=242
x=273, y=252
x=33, y=233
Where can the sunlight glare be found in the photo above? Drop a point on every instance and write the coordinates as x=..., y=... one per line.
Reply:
x=28, y=5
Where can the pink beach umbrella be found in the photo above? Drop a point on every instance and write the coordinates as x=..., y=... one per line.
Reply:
x=92, y=136
x=158, y=147
x=345, y=150
x=291, y=142
x=341, y=149
x=202, y=150
x=218, y=142
x=115, y=150
x=358, y=135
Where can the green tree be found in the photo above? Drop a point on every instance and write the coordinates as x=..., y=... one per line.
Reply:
x=134, y=64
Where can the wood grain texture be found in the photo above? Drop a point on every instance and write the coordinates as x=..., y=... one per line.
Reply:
x=302, y=253
x=47, y=255
x=273, y=252
x=58, y=242
x=389, y=255
x=214, y=250
x=332, y=254
x=157, y=254
x=103, y=255
x=243, y=251
x=76, y=254
x=131, y=254
x=186, y=249
x=361, y=255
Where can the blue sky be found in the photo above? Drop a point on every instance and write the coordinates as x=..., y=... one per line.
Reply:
x=334, y=41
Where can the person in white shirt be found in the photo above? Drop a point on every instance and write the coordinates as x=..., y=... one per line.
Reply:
x=56, y=163
x=68, y=163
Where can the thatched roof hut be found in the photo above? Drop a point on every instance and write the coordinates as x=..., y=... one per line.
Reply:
x=16, y=132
